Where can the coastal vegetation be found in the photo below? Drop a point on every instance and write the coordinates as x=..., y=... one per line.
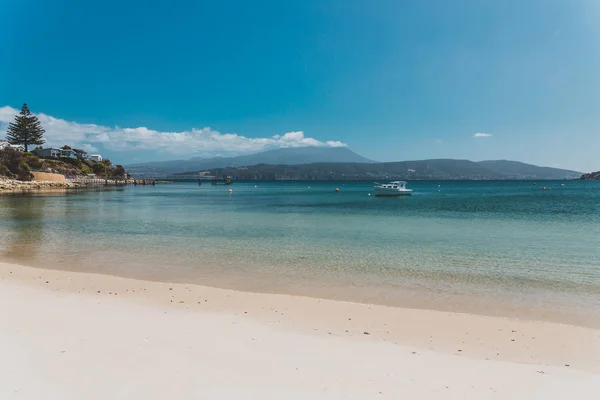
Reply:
x=13, y=164
x=16, y=162
x=19, y=165
x=591, y=176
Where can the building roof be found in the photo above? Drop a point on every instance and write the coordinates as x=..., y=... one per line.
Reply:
x=4, y=144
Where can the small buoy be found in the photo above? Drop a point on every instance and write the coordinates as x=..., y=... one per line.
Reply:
x=562, y=184
x=337, y=190
x=369, y=194
x=544, y=188
x=255, y=186
x=309, y=187
x=230, y=190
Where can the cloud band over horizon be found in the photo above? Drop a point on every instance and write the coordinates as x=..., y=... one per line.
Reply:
x=206, y=140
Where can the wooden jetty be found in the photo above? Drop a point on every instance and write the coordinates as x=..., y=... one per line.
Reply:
x=144, y=182
x=215, y=180
x=222, y=181
x=83, y=182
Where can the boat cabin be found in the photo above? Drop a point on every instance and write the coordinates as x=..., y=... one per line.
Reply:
x=394, y=185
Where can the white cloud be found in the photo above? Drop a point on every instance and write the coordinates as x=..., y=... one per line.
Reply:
x=89, y=148
x=479, y=134
x=204, y=141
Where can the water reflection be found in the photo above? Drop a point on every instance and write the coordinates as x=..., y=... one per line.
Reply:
x=24, y=217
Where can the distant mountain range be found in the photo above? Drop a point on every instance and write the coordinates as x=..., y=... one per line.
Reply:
x=321, y=163
x=285, y=156
x=409, y=170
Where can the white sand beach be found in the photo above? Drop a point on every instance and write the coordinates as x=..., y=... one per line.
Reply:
x=66, y=335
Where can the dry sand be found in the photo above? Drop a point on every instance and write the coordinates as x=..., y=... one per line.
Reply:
x=66, y=335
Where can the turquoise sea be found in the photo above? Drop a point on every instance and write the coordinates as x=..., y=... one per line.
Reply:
x=501, y=248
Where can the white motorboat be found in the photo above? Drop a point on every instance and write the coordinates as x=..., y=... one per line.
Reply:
x=396, y=188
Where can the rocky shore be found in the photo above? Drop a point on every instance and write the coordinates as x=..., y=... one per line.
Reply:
x=591, y=176
x=12, y=185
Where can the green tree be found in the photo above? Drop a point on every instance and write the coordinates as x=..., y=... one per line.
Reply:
x=26, y=130
x=99, y=169
x=119, y=172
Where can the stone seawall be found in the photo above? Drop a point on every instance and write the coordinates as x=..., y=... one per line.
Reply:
x=58, y=181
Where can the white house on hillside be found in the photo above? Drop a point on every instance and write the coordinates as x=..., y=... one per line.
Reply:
x=6, y=145
x=54, y=152
x=81, y=154
x=96, y=157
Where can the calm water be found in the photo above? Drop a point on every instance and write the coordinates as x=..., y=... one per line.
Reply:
x=506, y=248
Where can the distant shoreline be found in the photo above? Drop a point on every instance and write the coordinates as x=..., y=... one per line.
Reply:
x=175, y=179
x=309, y=163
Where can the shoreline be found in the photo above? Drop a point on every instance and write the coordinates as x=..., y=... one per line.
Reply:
x=15, y=186
x=8, y=186
x=328, y=288
x=477, y=336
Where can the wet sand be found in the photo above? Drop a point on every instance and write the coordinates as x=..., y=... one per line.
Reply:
x=245, y=276
x=76, y=335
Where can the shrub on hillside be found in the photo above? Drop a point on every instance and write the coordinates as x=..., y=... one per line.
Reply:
x=34, y=162
x=118, y=172
x=76, y=162
x=4, y=171
x=24, y=175
x=13, y=165
x=99, y=168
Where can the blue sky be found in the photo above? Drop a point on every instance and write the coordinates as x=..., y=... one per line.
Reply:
x=392, y=80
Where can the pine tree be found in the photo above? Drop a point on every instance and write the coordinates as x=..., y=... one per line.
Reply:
x=26, y=130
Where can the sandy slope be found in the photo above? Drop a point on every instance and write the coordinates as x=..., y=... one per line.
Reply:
x=65, y=335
